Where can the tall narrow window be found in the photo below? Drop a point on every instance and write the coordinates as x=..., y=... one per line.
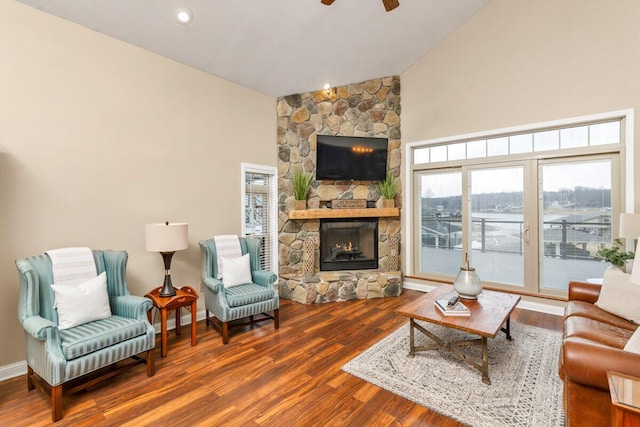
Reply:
x=260, y=211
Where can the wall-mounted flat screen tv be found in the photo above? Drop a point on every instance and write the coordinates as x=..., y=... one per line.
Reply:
x=346, y=158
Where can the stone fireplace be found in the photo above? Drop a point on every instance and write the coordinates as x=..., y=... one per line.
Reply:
x=370, y=108
x=348, y=244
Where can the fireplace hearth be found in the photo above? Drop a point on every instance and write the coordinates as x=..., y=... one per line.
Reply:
x=348, y=244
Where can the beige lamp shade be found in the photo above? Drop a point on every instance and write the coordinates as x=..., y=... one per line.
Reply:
x=166, y=236
x=629, y=225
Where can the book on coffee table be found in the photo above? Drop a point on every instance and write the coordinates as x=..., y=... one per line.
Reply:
x=458, y=309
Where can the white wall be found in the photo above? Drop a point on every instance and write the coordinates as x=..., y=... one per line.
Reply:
x=98, y=138
x=523, y=62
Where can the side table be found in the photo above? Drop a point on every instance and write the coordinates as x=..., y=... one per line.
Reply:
x=184, y=297
x=625, y=399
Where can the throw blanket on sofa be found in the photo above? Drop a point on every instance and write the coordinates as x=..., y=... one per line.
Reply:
x=227, y=246
x=72, y=265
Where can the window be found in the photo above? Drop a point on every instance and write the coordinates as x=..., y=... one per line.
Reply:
x=530, y=206
x=260, y=211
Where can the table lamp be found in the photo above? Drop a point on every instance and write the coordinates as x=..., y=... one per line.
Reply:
x=629, y=226
x=166, y=238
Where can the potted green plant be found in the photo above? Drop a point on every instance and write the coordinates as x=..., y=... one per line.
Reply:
x=615, y=255
x=388, y=190
x=301, y=182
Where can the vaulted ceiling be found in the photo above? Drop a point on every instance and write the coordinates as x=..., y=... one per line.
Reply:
x=277, y=47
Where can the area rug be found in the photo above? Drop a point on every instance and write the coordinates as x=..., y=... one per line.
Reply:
x=525, y=388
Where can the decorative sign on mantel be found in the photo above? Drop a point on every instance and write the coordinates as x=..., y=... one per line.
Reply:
x=348, y=204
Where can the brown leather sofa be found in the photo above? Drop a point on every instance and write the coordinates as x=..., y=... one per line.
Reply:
x=592, y=345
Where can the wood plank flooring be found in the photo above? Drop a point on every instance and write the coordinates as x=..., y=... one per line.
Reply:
x=263, y=377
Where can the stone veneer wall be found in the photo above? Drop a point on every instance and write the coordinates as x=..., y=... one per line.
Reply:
x=370, y=108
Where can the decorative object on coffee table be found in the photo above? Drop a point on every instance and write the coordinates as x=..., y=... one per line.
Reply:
x=166, y=238
x=467, y=283
x=308, y=257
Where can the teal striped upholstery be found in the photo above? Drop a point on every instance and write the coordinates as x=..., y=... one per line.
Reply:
x=247, y=294
x=241, y=301
x=84, y=339
x=59, y=356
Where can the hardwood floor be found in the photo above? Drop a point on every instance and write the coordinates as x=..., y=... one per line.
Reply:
x=263, y=377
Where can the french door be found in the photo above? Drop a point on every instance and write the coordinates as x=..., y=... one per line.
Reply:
x=530, y=225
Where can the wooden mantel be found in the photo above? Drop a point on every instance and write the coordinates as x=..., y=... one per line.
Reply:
x=343, y=213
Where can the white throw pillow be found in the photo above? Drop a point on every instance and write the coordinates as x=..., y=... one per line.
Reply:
x=83, y=302
x=633, y=345
x=237, y=271
x=619, y=295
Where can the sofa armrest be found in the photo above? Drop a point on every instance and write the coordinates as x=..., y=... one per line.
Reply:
x=214, y=285
x=131, y=306
x=587, y=362
x=37, y=326
x=263, y=278
x=582, y=291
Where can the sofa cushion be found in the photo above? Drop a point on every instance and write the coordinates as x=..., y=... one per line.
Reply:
x=82, y=302
x=249, y=293
x=633, y=345
x=89, y=337
x=601, y=333
x=590, y=311
x=237, y=271
x=619, y=295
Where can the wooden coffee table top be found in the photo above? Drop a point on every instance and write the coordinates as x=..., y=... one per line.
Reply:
x=488, y=313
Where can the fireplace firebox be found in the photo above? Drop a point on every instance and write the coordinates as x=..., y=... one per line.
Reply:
x=348, y=244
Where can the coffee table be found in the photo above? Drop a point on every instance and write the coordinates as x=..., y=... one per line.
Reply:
x=490, y=314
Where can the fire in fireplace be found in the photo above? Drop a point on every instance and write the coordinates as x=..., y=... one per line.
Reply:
x=348, y=244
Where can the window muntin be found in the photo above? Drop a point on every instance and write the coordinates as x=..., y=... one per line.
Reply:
x=588, y=135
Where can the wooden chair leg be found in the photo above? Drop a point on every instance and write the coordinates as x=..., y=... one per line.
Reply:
x=151, y=366
x=30, y=385
x=206, y=322
x=225, y=332
x=56, y=402
x=276, y=318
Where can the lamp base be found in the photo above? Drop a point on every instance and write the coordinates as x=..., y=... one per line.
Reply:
x=167, y=288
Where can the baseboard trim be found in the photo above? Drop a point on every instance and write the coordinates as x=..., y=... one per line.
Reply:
x=14, y=370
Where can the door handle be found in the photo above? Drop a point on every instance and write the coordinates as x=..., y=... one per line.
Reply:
x=527, y=230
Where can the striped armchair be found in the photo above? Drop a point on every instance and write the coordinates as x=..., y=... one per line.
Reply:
x=242, y=301
x=59, y=356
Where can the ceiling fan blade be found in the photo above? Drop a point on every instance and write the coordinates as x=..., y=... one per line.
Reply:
x=389, y=5
x=327, y=2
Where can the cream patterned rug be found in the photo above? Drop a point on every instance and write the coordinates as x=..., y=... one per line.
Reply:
x=525, y=388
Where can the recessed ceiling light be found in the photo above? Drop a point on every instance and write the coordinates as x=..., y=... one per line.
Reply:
x=183, y=16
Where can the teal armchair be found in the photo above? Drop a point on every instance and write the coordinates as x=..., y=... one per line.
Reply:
x=238, y=302
x=59, y=356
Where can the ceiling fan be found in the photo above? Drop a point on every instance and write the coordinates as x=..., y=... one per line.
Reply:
x=389, y=5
